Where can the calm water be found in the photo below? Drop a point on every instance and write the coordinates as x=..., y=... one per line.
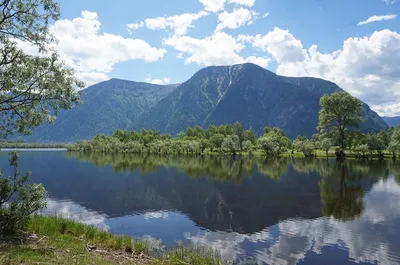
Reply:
x=254, y=211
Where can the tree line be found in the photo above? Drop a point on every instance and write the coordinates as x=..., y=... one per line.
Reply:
x=339, y=117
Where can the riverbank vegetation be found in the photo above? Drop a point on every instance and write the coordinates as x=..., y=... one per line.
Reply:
x=339, y=118
x=234, y=140
x=54, y=240
x=23, y=145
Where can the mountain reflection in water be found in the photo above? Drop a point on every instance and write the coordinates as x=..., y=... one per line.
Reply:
x=254, y=210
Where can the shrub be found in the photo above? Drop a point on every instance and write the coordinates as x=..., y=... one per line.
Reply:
x=307, y=147
x=231, y=144
x=18, y=199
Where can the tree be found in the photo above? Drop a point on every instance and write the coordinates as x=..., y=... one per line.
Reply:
x=204, y=144
x=33, y=88
x=326, y=144
x=307, y=147
x=339, y=111
x=384, y=136
x=217, y=139
x=275, y=142
x=270, y=145
x=238, y=130
x=394, y=148
x=231, y=144
x=249, y=135
x=394, y=144
x=247, y=146
x=375, y=143
x=361, y=149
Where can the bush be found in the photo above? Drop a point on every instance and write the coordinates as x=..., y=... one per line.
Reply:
x=307, y=147
x=18, y=199
x=231, y=144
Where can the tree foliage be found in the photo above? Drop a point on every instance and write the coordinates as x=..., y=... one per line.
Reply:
x=33, y=88
x=18, y=199
x=339, y=112
x=274, y=141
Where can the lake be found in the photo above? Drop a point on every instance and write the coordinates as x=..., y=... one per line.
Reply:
x=254, y=211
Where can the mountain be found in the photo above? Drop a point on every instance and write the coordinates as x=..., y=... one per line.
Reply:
x=106, y=107
x=249, y=94
x=215, y=95
x=392, y=121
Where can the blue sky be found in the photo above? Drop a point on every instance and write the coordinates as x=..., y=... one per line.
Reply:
x=317, y=38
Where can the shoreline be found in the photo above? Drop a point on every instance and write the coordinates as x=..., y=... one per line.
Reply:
x=53, y=240
x=258, y=153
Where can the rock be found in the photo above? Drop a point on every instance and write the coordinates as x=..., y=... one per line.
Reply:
x=90, y=247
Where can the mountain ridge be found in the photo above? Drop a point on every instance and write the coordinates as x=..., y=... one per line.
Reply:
x=251, y=95
x=246, y=93
x=392, y=121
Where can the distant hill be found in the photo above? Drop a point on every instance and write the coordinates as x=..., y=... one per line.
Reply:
x=106, y=107
x=216, y=95
x=392, y=121
x=249, y=94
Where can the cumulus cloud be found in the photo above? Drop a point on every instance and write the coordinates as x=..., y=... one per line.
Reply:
x=134, y=26
x=91, y=53
x=367, y=67
x=213, y=5
x=180, y=24
x=218, y=49
x=281, y=44
x=261, y=61
x=157, y=81
x=81, y=42
x=376, y=19
x=238, y=18
x=219, y=5
x=243, y=2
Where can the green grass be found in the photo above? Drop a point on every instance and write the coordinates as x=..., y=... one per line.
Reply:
x=30, y=145
x=191, y=255
x=63, y=241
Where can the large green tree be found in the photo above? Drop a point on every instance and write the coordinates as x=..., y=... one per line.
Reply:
x=33, y=88
x=339, y=112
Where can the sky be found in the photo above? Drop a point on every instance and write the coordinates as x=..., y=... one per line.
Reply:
x=354, y=43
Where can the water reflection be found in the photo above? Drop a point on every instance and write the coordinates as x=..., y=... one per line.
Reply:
x=257, y=211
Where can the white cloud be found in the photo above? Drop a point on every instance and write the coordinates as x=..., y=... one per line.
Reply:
x=93, y=54
x=261, y=61
x=389, y=2
x=157, y=81
x=218, y=49
x=92, y=78
x=213, y=5
x=243, y=2
x=281, y=44
x=366, y=67
x=134, y=26
x=179, y=23
x=87, y=49
x=238, y=18
x=219, y=5
x=376, y=19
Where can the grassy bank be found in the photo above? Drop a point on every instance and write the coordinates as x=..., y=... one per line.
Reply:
x=19, y=145
x=54, y=240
